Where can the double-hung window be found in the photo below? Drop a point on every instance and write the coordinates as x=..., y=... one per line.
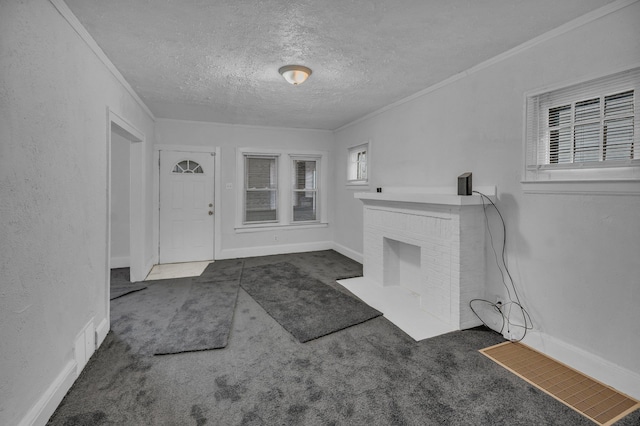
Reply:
x=280, y=189
x=261, y=189
x=305, y=189
x=588, y=131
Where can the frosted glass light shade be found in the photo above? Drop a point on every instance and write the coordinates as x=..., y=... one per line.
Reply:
x=295, y=74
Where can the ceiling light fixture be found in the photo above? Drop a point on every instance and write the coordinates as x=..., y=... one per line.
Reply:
x=295, y=74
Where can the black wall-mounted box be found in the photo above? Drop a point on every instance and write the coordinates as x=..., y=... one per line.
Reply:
x=464, y=184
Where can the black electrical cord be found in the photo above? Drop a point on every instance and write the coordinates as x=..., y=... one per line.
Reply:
x=495, y=306
x=502, y=308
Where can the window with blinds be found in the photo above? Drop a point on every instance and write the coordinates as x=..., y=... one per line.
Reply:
x=280, y=189
x=592, y=125
x=261, y=189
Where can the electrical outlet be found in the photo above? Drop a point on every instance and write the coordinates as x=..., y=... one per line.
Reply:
x=275, y=238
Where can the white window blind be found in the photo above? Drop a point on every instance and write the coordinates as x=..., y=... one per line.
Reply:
x=588, y=125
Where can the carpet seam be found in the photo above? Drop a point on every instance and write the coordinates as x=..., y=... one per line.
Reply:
x=128, y=292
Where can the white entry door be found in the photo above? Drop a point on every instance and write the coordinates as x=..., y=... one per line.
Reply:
x=186, y=206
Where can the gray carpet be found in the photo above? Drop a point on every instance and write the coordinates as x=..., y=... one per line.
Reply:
x=370, y=374
x=121, y=275
x=120, y=284
x=303, y=305
x=204, y=320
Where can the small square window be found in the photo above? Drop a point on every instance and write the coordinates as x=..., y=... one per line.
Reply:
x=358, y=165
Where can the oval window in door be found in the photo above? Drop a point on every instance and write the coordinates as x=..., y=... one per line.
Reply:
x=187, y=166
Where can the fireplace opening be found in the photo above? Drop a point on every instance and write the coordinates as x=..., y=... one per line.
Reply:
x=401, y=266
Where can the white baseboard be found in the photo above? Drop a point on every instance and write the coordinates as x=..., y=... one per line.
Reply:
x=120, y=262
x=101, y=332
x=84, y=345
x=277, y=249
x=46, y=405
x=613, y=375
x=345, y=251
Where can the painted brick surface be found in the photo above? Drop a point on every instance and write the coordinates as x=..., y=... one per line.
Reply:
x=451, y=243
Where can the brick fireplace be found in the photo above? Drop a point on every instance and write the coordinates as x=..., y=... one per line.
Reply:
x=423, y=250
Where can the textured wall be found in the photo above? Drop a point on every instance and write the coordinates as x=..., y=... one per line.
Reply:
x=574, y=257
x=54, y=94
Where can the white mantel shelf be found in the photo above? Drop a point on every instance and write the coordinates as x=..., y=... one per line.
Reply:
x=442, y=196
x=443, y=199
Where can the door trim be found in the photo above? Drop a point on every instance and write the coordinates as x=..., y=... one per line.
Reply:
x=217, y=195
x=136, y=212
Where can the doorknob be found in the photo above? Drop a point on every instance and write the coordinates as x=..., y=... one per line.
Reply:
x=210, y=212
x=210, y=204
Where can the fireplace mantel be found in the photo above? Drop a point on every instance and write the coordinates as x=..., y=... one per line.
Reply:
x=423, y=257
x=437, y=195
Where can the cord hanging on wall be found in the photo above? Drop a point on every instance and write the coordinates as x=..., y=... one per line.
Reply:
x=504, y=309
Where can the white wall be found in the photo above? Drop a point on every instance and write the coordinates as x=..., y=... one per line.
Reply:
x=54, y=94
x=575, y=258
x=120, y=205
x=230, y=137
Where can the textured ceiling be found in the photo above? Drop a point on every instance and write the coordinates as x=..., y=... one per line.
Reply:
x=218, y=60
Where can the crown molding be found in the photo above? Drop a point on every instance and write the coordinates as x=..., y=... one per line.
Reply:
x=241, y=126
x=68, y=15
x=565, y=28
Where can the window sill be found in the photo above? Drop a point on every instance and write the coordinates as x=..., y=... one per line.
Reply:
x=272, y=227
x=592, y=187
x=358, y=185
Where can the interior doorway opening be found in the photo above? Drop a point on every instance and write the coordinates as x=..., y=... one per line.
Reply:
x=120, y=216
x=125, y=146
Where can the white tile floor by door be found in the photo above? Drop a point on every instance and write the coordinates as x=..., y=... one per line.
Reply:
x=177, y=270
